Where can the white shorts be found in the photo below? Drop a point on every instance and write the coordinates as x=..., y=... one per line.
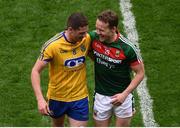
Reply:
x=103, y=108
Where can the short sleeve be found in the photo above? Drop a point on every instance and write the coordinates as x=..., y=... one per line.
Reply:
x=46, y=53
x=133, y=55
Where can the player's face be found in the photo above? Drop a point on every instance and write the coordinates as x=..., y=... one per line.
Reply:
x=79, y=34
x=103, y=30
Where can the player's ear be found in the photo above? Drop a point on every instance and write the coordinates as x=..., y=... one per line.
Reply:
x=114, y=29
x=70, y=29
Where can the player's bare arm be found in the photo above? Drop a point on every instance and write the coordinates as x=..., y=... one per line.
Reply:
x=119, y=98
x=35, y=79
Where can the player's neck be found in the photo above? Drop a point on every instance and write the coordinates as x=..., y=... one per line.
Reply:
x=113, y=38
x=68, y=37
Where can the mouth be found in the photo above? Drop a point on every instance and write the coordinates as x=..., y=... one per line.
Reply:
x=101, y=36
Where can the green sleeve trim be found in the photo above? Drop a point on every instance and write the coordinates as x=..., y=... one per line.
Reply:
x=92, y=35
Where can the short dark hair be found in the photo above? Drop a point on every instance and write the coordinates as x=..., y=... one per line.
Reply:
x=110, y=17
x=77, y=20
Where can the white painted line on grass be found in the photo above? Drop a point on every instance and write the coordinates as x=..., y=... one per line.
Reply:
x=145, y=99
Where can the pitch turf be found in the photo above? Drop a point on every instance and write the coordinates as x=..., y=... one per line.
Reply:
x=25, y=25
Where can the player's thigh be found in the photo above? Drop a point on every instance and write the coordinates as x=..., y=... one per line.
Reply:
x=123, y=122
x=124, y=112
x=77, y=123
x=102, y=123
x=57, y=112
x=79, y=110
x=57, y=108
x=58, y=122
x=102, y=110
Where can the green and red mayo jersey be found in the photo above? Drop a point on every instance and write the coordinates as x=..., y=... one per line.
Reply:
x=112, y=64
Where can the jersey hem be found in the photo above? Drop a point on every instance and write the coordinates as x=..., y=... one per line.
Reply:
x=67, y=100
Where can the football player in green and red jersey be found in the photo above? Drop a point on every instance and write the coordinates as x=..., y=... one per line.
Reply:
x=114, y=57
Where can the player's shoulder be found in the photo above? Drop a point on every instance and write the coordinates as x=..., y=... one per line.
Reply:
x=126, y=43
x=52, y=42
x=93, y=35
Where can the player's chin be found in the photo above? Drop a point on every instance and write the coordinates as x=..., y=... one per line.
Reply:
x=79, y=39
x=102, y=39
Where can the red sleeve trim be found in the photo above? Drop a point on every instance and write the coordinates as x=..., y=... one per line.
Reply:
x=135, y=63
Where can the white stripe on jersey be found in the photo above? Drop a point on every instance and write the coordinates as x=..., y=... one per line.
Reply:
x=57, y=36
x=54, y=38
x=136, y=50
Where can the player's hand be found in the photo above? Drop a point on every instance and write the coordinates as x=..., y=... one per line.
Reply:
x=118, y=99
x=43, y=107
